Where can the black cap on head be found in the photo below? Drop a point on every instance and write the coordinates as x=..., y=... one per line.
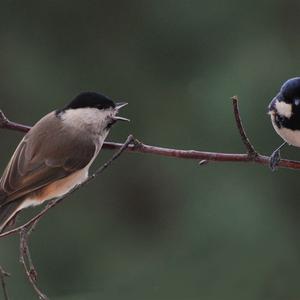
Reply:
x=92, y=100
x=290, y=89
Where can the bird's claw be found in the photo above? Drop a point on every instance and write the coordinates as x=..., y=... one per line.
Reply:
x=274, y=160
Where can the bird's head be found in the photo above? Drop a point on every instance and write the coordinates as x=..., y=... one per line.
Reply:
x=287, y=102
x=92, y=110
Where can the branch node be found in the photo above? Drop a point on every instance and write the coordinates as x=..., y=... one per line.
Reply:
x=3, y=272
x=33, y=274
x=3, y=119
x=136, y=143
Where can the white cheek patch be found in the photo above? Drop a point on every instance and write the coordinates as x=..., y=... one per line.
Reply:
x=284, y=109
x=84, y=118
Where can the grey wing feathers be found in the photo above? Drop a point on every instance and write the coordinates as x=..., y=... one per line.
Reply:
x=3, y=196
x=7, y=210
x=34, y=165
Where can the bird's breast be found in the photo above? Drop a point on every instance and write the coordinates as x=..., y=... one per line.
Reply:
x=292, y=137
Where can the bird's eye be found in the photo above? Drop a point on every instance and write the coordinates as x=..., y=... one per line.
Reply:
x=297, y=102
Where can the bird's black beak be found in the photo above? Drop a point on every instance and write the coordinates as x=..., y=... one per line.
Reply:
x=272, y=105
x=119, y=105
x=117, y=118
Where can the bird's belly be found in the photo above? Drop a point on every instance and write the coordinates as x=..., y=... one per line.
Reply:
x=55, y=189
x=292, y=137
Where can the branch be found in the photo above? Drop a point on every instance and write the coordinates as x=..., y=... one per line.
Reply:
x=138, y=147
x=26, y=261
x=5, y=123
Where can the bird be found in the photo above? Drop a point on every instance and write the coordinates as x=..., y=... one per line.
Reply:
x=284, y=110
x=56, y=153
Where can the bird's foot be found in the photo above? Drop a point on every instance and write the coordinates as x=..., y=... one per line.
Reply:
x=275, y=157
x=274, y=160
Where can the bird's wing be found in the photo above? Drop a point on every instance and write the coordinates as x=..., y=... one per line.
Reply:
x=37, y=164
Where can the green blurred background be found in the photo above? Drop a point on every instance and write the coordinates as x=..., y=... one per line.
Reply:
x=150, y=227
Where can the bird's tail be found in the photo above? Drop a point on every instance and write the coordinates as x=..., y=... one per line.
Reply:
x=8, y=210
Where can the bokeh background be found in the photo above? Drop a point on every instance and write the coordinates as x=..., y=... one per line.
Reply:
x=153, y=227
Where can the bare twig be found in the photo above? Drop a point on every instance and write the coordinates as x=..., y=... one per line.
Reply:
x=5, y=123
x=26, y=261
x=249, y=147
x=4, y=274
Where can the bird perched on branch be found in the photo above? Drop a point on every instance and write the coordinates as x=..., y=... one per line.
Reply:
x=55, y=155
x=284, y=110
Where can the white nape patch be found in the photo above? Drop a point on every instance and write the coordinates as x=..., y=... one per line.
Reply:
x=297, y=102
x=88, y=118
x=283, y=109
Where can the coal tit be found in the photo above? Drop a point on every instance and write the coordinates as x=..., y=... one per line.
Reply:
x=284, y=110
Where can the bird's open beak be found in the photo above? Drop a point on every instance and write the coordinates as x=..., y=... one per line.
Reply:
x=119, y=105
x=117, y=118
x=272, y=106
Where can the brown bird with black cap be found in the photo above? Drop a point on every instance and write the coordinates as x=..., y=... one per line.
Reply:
x=55, y=155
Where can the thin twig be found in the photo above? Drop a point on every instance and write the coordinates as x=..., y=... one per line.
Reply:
x=3, y=275
x=26, y=261
x=249, y=147
x=5, y=123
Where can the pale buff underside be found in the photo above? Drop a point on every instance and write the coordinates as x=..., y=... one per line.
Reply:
x=292, y=137
x=55, y=189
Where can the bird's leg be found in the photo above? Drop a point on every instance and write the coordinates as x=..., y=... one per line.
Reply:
x=275, y=157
